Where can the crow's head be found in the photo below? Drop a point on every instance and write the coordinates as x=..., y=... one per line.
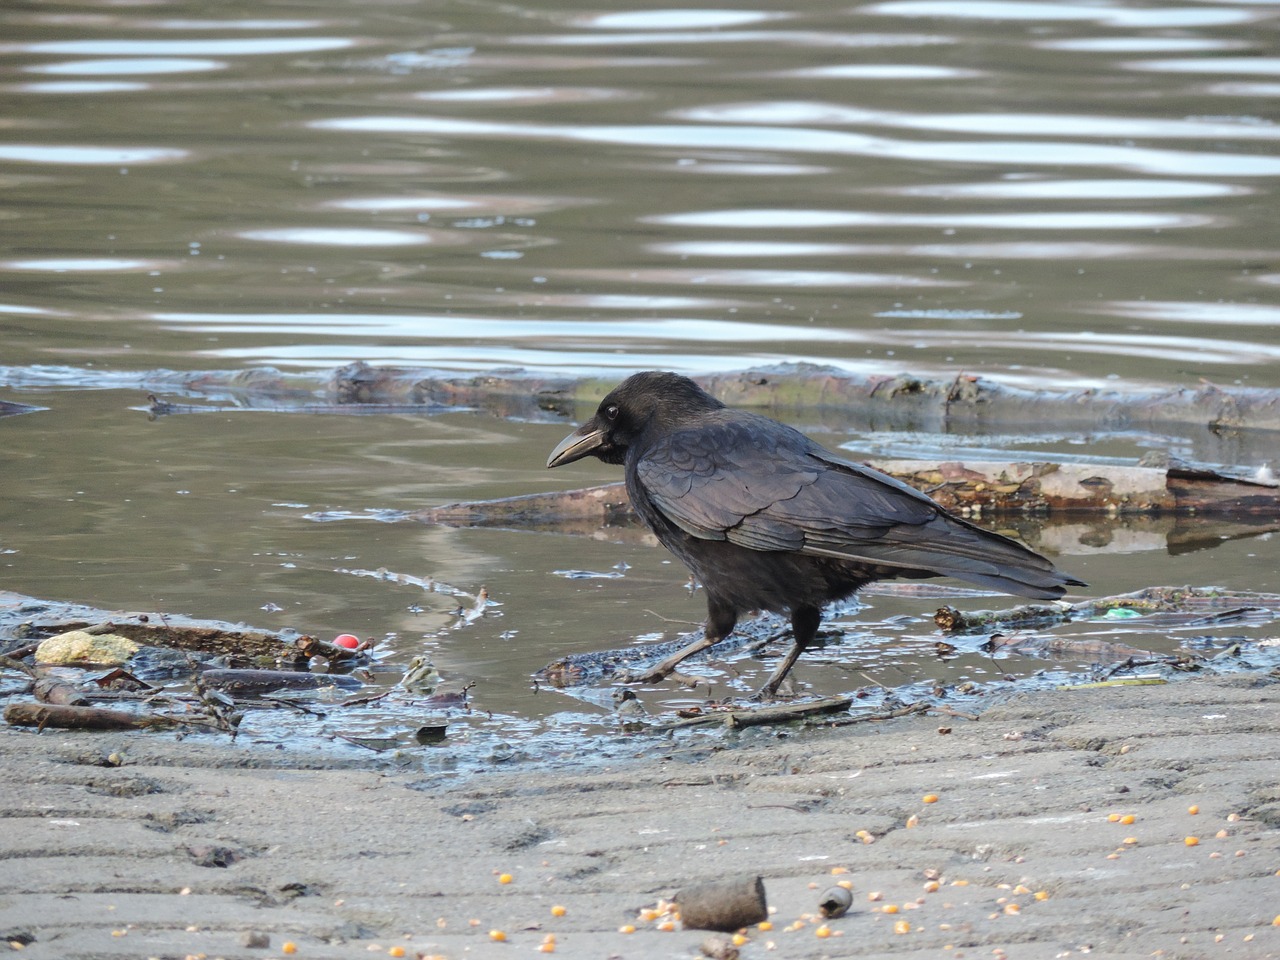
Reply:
x=652, y=400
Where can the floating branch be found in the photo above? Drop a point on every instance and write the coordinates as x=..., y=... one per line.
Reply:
x=900, y=400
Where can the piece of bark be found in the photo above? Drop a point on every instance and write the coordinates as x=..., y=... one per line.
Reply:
x=78, y=717
x=724, y=905
x=50, y=689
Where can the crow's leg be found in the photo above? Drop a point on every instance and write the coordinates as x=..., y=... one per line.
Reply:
x=720, y=623
x=804, y=627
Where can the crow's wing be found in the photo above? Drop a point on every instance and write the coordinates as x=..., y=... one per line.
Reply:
x=764, y=486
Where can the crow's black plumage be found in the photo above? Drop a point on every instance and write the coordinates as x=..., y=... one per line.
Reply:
x=767, y=519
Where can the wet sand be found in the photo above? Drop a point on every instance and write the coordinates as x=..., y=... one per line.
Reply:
x=190, y=846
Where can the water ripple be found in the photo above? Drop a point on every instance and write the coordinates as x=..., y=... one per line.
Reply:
x=1002, y=153
x=844, y=219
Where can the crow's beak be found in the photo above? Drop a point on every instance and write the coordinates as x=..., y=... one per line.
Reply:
x=581, y=443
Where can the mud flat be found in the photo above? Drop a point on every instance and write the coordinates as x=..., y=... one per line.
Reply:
x=201, y=847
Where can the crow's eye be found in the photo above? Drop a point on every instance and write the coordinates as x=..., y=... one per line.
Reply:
x=611, y=411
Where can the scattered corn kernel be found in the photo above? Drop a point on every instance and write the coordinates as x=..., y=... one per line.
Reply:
x=836, y=871
x=847, y=884
x=1042, y=894
x=666, y=926
x=1233, y=817
x=396, y=951
x=913, y=821
x=547, y=946
x=288, y=947
x=1191, y=841
x=505, y=878
x=932, y=886
x=823, y=931
x=649, y=914
x=1128, y=818
x=1113, y=817
x=557, y=911
x=1130, y=839
x=627, y=928
x=1193, y=809
x=764, y=925
x=889, y=908
x=1012, y=908
x=959, y=883
x=1276, y=921
x=902, y=926
x=740, y=940
x=875, y=895
x=497, y=936
x=929, y=798
x=1222, y=834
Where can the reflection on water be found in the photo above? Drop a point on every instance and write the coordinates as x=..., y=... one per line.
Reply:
x=1058, y=195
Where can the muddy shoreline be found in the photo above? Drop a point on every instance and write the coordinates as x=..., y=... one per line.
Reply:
x=189, y=847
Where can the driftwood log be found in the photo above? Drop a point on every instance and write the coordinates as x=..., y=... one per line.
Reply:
x=79, y=717
x=997, y=488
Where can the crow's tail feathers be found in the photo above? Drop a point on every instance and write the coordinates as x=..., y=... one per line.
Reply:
x=951, y=547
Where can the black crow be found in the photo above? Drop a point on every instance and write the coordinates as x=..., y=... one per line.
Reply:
x=767, y=519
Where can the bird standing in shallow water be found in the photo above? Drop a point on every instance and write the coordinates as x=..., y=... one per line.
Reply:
x=767, y=519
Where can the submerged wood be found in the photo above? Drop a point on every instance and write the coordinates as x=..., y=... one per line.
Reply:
x=256, y=682
x=1213, y=604
x=898, y=399
x=1210, y=605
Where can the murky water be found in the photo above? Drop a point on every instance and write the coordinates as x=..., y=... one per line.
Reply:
x=1049, y=194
